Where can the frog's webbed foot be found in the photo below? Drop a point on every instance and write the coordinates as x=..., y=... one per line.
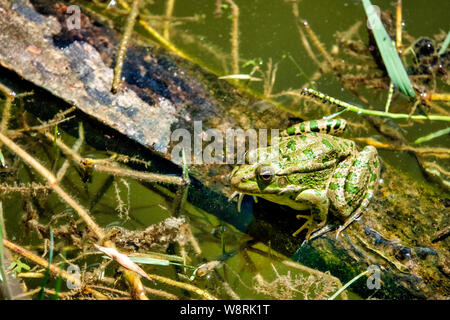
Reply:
x=319, y=210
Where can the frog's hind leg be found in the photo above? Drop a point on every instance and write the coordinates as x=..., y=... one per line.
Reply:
x=334, y=127
x=365, y=172
x=356, y=214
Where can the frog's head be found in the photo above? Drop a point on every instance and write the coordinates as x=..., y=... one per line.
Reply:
x=255, y=179
x=266, y=181
x=300, y=164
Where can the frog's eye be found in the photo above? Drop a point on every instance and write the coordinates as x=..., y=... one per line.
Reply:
x=265, y=174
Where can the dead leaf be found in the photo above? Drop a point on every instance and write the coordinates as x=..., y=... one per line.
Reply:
x=123, y=260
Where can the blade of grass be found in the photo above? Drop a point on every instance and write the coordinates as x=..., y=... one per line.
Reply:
x=59, y=280
x=433, y=135
x=4, y=279
x=47, y=272
x=445, y=44
x=391, y=59
x=2, y=159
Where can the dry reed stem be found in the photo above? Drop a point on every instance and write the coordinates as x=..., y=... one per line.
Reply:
x=398, y=29
x=55, y=270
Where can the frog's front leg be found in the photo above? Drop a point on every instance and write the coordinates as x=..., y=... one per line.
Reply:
x=319, y=203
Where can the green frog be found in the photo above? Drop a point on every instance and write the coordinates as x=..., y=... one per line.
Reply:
x=312, y=169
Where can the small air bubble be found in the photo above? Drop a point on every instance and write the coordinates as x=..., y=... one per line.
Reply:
x=380, y=181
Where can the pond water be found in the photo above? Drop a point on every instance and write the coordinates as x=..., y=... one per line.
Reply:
x=268, y=36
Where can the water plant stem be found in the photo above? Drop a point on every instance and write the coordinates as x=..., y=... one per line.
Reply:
x=97, y=165
x=389, y=98
x=47, y=271
x=325, y=98
x=166, y=26
x=347, y=285
x=131, y=20
x=318, y=44
x=235, y=36
x=4, y=279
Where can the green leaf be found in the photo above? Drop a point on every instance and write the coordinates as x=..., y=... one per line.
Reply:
x=389, y=54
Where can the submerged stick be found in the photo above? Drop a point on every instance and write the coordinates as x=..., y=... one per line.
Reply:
x=123, y=46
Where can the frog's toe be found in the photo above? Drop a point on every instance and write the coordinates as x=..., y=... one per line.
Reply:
x=306, y=225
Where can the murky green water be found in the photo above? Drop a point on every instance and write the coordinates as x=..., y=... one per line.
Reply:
x=267, y=31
